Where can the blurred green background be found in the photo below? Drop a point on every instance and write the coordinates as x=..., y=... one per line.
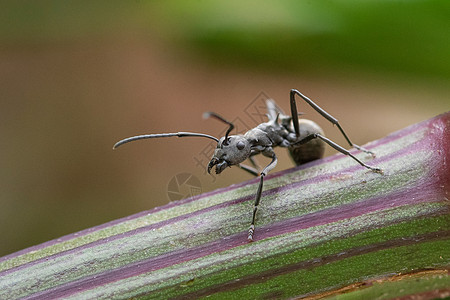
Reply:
x=77, y=76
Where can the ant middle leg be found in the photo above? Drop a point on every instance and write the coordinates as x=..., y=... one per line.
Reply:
x=323, y=113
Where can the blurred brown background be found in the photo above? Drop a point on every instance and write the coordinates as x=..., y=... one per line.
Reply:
x=75, y=77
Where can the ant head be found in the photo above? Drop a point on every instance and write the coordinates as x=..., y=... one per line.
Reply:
x=231, y=150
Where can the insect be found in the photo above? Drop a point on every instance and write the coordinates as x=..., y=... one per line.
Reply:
x=304, y=139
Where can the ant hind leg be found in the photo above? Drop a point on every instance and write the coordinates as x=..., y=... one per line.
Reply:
x=324, y=114
x=338, y=148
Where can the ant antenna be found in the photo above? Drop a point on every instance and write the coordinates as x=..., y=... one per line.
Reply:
x=214, y=115
x=158, y=135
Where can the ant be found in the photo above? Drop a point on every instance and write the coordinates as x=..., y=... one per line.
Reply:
x=304, y=139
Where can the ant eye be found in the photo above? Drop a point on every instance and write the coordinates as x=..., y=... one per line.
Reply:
x=240, y=145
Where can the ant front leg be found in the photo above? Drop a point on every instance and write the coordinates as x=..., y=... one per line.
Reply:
x=249, y=169
x=324, y=114
x=267, y=152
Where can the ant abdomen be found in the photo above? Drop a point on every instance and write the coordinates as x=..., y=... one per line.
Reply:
x=312, y=150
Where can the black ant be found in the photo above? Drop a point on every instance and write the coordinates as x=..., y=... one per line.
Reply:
x=304, y=139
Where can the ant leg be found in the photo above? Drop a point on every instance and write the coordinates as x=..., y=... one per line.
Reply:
x=254, y=162
x=251, y=230
x=338, y=148
x=324, y=114
x=266, y=170
x=252, y=170
x=249, y=169
x=294, y=114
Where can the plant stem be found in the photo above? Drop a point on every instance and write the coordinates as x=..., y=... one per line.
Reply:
x=323, y=228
